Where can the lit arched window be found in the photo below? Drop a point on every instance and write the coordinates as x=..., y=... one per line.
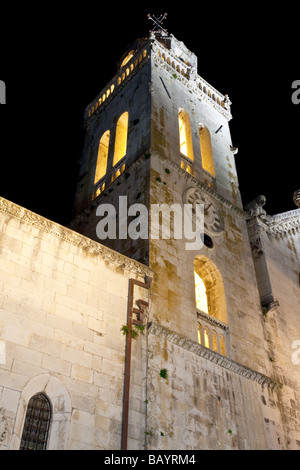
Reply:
x=185, y=135
x=200, y=293
x=102, y=157
x=206, y=150
x=37, y=423
x=121, y=138
x=211, y=305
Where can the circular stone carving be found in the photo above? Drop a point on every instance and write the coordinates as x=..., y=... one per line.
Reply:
x=296, y=198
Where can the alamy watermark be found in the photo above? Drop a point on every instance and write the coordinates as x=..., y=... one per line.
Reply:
x=184, y=222
x=2, y=92
x=296, y=93
x=296, y=354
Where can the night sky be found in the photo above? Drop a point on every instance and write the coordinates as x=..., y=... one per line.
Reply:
x=55, y=60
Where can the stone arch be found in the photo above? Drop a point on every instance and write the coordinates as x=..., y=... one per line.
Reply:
x=59, y=397
x=214, y=287
x=185, y=134
x=121, y=138
x=102, y=156
x=206, y=150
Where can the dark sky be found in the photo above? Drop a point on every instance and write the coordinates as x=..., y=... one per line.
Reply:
x=55, y=60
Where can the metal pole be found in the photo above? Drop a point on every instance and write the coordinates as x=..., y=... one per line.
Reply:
x=145, y=285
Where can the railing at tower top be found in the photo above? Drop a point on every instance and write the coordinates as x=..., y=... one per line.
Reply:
x=135, y=63
x=187, y=75
x=174, y=65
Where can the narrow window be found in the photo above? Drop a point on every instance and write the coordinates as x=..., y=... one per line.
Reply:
x=37, y=423
x=206, y=150
x=102, y=157
x=200, y=292
x=121, y=138
x=185, y=135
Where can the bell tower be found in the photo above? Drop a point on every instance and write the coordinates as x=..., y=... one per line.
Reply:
x=157, y=142
x=155, y=108
x=158, y=137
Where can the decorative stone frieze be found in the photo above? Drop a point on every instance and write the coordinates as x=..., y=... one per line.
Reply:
x=213, y=356
x=276, y=226
x=75, y=238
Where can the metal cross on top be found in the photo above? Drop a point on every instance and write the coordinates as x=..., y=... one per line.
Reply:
x=157, y=22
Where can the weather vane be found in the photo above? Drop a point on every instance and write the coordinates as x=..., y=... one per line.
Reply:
x=157, y=22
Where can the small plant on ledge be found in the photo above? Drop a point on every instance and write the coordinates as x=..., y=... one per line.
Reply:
x=163, y=373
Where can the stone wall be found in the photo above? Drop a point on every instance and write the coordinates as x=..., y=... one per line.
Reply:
x=63, y=302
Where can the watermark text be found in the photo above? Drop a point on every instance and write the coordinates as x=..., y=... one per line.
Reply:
x=2, y=92
x=182, y=222
x=296, y=93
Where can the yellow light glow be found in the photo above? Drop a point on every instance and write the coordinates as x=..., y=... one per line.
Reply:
x=121, y=138
x=206, y=150
x=185, y=135
x=127, y=58
x=200, y=292
x=102, y=157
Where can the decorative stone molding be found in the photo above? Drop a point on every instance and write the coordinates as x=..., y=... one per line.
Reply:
x=276, y=226
x=68, y=235
x=280, y=225
x=256, y=248
x=213, y=356
x=211, y=320
x=255, y=207
x=187, y=74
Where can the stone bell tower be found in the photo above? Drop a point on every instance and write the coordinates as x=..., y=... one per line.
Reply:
x=155, y=106
x=158, y=134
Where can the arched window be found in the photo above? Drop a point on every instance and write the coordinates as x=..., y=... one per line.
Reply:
x=211, y=307
x=102, y=157
x=121, y=138
x=206, y=150
x=185, y=135
x=200, y=293
x=37, y=423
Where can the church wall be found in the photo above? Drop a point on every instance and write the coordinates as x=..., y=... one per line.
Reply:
x=63, y=302
x=174, y=288
x=205, y=404
x=282, y=325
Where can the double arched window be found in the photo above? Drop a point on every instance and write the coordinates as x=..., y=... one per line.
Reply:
x=186, y=144
x=120, y=150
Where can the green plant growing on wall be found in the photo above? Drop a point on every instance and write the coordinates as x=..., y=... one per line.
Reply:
x=265, y=311
x=163, y=373
x=134, y=332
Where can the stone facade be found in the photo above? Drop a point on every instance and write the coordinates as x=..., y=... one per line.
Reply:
x=226, y=378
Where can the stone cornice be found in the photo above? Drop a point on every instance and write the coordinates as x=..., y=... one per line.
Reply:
x=213, y=356
x=279, y=225
x=69, y=236
x=190, y=78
